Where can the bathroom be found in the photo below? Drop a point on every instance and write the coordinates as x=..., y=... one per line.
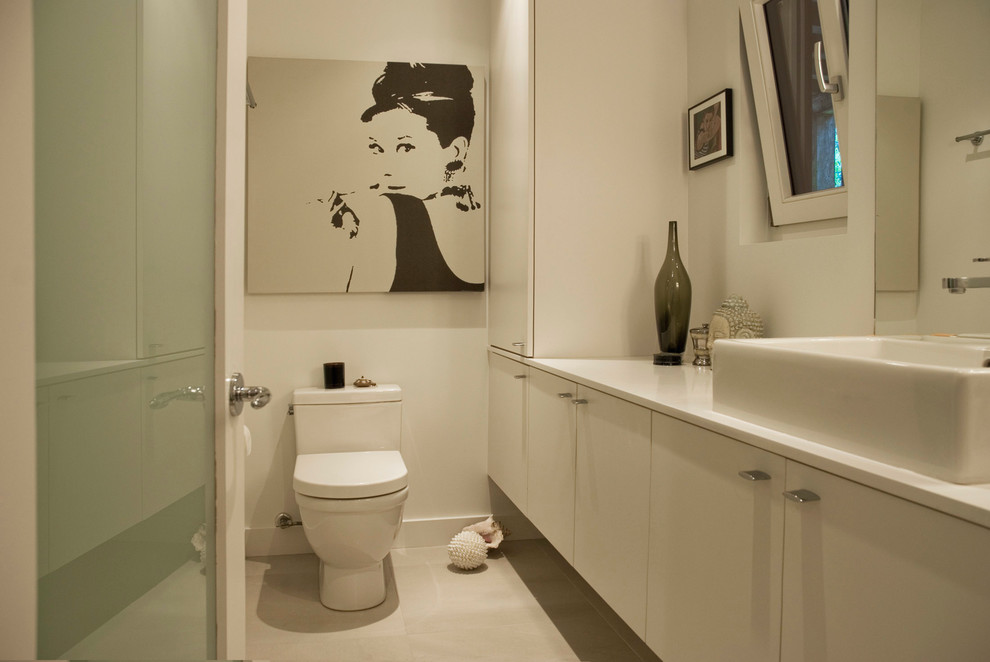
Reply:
x=816, y=279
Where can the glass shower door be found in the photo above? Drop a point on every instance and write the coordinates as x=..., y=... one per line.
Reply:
x=125, y=149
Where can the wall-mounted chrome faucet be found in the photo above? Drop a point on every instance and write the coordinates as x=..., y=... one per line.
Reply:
x=959, y=284
x=976, y=137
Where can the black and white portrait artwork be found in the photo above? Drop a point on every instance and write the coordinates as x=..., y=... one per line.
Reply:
x=365, y=177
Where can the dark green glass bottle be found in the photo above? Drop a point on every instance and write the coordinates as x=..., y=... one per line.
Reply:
x=672, y=303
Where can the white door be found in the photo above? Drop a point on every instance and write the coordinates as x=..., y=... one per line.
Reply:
x=139, y=162
x=229, y=293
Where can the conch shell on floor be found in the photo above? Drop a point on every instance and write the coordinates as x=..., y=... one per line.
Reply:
x=493, y=532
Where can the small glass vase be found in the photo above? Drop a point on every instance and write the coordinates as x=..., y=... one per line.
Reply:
x=672, y=303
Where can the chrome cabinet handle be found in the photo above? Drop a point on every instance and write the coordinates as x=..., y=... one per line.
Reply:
x=259, y=396
x=519, y=376
x=564, y=395
x=834, y=85
x=518, y=344
x=579, y=401
x=754, y=475
x=802, y=496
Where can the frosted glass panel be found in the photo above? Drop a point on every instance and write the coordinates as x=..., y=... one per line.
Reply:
x=85, y=150
x=175, y=205
x=125, y=144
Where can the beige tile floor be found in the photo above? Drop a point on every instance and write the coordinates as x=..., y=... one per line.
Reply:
x=170, y=617
x=525, y=605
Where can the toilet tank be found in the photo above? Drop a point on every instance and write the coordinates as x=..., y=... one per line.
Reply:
x=347, y=419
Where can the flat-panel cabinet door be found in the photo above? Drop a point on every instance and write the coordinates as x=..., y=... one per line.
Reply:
x=508, y=384
x=551, y=459
x=612, y=502
x=510, y=283
x=716, y=539
x=869, y=576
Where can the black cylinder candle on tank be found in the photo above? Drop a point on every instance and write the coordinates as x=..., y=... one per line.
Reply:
x=672, y=303
x=333, y=375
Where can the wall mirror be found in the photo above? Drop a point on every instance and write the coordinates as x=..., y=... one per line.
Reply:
x=933, y=192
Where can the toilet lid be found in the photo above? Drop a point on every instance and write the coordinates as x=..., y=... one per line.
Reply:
x=356, y=475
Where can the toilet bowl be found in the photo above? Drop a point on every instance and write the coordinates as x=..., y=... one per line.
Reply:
x=350, y=484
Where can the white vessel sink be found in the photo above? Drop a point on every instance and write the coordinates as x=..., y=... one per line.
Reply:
x=921, y=404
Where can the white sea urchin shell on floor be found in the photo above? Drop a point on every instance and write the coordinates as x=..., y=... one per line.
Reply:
x=467, y=550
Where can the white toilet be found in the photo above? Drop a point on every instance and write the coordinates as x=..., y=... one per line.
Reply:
x=350, y=484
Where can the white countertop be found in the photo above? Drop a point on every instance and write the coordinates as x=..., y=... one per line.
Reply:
x=685, y=392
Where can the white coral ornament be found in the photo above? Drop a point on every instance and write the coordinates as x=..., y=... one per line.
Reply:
x=467, y=550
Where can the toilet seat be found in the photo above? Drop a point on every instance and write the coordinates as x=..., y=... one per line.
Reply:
x=351, y=475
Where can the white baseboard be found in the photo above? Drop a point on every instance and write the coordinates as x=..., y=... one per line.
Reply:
x=272, y=541
x=431, y=532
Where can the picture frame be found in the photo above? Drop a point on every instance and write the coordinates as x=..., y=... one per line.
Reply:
x=325, y=209
x=710, y=130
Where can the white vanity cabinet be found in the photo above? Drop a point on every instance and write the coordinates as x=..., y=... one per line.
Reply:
x=552, y=441
x=716, y=539
x=754, y=557
x=711, y=548
x=612, y=502
x=508, y=386
x=868, y=576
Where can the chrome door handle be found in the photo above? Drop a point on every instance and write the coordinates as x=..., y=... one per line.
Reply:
x=834, y=84
x=564, y=395
x=802, y=496
x=754, y=475
x=259, y=396
x=580, y=401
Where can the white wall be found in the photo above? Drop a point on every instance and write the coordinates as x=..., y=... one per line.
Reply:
x=18, y=574
x=813, y=279
x=432, y=344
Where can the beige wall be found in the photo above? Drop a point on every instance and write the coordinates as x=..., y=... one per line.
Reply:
x=17, y=450
x=812, y=279
x=432, y=344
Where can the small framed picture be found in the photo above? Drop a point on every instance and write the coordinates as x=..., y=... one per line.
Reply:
x=710, y=130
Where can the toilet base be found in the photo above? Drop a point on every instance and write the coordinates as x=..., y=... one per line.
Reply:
x=350, y=589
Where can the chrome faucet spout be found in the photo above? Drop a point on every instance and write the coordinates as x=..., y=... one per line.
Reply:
x=958, y=285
